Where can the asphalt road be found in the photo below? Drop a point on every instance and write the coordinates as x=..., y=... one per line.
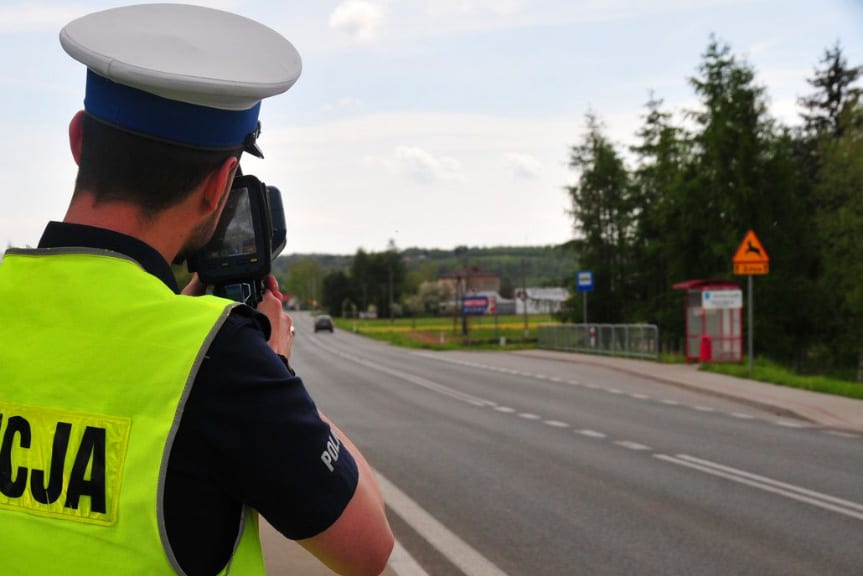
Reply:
x=495, y=463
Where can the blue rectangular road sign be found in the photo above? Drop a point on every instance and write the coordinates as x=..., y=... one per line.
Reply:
x=585, y=280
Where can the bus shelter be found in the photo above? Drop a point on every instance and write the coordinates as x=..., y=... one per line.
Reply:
x=714, y=320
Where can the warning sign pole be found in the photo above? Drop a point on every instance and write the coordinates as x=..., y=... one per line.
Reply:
x=751, y=258
x=751, y=321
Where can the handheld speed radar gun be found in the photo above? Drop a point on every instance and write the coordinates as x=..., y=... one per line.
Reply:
x=250, y=234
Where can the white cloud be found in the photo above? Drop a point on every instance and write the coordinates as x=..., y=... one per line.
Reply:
x=522, y=166
x=495, y=7
x=345, y=104
x=434, y=17
x=425, y=167
x=361, y=19
x=37, y=16
x=504, y=7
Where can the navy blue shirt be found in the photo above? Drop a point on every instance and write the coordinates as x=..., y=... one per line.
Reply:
x=250, y=433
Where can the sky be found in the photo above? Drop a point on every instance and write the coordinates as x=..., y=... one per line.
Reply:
x=428, y=123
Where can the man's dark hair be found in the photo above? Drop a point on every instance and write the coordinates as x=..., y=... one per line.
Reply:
x=116, y=165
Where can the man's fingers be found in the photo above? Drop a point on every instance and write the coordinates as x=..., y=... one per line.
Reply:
x=195, y=287
x=272, y=285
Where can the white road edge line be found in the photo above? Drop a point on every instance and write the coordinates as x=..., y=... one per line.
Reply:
x=403, y=564
x=831, y=503
x=460, y=553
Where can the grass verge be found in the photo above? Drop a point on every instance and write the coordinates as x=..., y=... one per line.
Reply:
x=504, y=333
x=766, y=371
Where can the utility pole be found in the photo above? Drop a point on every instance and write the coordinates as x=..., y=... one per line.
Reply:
x=455, y=302
x=461, y=253
x=466, y=292
x=524, y=295
x=391, y=291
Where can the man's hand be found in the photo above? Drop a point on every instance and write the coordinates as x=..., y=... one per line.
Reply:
x=281, y=328
x=195, y=287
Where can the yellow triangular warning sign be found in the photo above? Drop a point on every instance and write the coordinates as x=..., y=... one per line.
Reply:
x=751, y=251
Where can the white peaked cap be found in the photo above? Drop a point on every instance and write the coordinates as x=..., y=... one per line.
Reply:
x=152, y=68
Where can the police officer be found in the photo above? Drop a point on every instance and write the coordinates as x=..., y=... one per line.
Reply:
x=142, y=429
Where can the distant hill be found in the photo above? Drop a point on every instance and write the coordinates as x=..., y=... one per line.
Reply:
x=533, y=265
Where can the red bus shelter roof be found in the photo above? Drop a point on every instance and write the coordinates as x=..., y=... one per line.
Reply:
x=707, y=284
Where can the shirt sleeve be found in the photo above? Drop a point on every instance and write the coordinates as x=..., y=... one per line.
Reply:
x=267, y=445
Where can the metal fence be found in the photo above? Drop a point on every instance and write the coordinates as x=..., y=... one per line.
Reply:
x=630, y=340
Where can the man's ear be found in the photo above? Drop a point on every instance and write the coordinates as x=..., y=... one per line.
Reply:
x=76, y=135
x=218, y=185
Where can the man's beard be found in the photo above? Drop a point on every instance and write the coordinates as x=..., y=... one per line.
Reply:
x=198, y=238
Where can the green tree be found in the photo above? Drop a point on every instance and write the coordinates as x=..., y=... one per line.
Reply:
x=744, y=177
x=378, y=279
x=835, y=91
x=724, y=196
x=603, y=215
x=828, y=113
x=506, y=287
x=662, y=152
x=337, y=292
x=304, y=282
x=432, y=294
x=786, y=330
x=364, y=287
x=840, y=223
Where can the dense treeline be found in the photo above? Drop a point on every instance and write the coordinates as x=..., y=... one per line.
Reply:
x=677, y=206
x=367, y=280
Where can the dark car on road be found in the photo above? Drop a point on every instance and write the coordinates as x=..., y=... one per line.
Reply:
x=324, y=322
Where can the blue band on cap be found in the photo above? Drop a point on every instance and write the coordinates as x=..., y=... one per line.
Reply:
x=170, y=120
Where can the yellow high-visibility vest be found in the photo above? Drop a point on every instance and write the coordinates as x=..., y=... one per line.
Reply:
x=97, y=358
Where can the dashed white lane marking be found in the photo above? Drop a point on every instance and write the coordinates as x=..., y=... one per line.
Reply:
x=790, y=424
x=555, y=423
x=403, y=564
x=481, y=402
x=629, y=445
x=460, y=553
x=591, y=433
x=529, y=416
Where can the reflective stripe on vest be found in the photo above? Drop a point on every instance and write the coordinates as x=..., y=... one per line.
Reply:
x=97, y=358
